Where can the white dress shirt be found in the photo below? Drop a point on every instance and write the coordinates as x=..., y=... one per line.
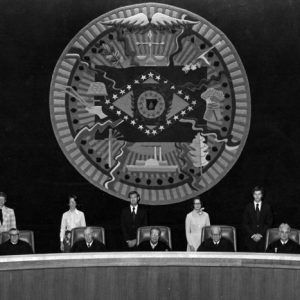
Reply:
x=70, y=220
x=134, y=209
x=259, y=205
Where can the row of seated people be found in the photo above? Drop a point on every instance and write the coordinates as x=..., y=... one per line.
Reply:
x=156, y=238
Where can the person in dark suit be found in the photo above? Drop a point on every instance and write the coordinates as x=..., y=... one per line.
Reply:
x=132, y=218
x=216, y=242
x=14, y=245
x=154, y=244
x=284, y=244
x=88, y=244
x=257, y=219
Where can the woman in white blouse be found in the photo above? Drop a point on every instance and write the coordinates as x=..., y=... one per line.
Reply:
x=194, y=222
x=71, y=219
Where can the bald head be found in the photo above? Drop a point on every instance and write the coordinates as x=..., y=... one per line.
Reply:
x=284, y=231
x=88, y=235
x=215, y=233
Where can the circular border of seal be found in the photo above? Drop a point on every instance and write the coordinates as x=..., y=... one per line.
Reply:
x=242, y=107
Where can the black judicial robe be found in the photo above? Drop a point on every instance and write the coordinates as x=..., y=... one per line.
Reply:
x=223, y=246
x=81, y=246
x=289, y=247
x=146, y=246
x=22, y=247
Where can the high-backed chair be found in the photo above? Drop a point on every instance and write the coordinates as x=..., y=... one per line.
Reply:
x=24, y=235
x=78, y=234
x=143, y=234
x=272, y=235
x=227, y=232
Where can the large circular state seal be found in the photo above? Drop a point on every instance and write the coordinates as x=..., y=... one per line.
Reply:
x=152, y=98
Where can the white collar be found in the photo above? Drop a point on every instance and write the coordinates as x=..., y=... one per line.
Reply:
x=89, y=244
x=133, y=208
x=153, y=245
x=259, y=204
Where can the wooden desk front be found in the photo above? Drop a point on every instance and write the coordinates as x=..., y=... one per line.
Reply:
x=166, y=275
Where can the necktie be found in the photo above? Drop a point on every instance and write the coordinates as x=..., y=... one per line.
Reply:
x=257, y=210
x=133, y=214
x=1, y=216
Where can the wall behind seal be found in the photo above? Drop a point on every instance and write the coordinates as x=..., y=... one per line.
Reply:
x=36, y=175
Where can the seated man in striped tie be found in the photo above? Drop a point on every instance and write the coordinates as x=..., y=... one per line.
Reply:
x=284, y=244
x=88, y=244
x=216, y=242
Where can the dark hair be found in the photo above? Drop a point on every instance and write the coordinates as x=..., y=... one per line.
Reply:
x=258, y=188
x=134, y=193
x=193, y=201
x=13, y=229
x=72, y=197
x=2, y=194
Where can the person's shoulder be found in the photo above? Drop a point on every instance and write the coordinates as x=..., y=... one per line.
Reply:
x=142, y=210
x=164, y=244
x=274, y=244
x=266, y=205
x=8, y=209
x=208, y=241
x=293, y=243
x=188, y=215
x=143, y=245
x=4, y=244
x=79, y=242
x=25, y=244
x=226, y=241
x=66, y=213
x=97, y=242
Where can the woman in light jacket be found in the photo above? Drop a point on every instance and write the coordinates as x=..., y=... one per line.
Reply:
x=194, y=222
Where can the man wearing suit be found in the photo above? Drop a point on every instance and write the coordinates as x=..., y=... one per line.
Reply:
x=216, y=242
x=257, y=219
x=132, y=218
x=284, y=244
x=154, y=244
x=7, y=215
x=88, y=244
